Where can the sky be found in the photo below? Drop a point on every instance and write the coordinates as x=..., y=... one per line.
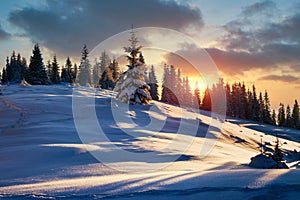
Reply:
x=251, y=41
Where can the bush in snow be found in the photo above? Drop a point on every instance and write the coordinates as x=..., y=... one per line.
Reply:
x=270, y=160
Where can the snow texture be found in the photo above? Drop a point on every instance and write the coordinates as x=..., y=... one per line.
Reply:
x=42, y=156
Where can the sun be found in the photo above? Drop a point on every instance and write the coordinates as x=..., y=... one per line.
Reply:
x=201, y=85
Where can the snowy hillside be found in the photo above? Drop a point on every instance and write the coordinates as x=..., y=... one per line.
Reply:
x=43, y=156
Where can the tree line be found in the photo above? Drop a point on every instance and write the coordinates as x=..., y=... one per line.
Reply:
x=241, y=102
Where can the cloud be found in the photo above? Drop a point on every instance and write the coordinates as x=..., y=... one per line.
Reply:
x=264, y=7
x=259, y=41
x=282, y=78
x=3, y=34
x=65, y=25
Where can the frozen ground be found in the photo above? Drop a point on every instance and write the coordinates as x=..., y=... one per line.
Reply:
x=42, y=155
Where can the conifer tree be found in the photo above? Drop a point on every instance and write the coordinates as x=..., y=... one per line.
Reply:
x=68, y=66
x=104, y=61
x=289, y=122
x=84, y=74
x=23, y=68
x=36, y=73
x=267, y=109
x=116, y=71
x=166, y=93
x=172, y=86
x=281, y=120
x=75, y=73
x=261, y=108
x=96, y=73
x=55, y=78
x=273, y=117
x=179, y=90
x=228, y=100
x=206, y=102
x=187, y=95
x=255, y=105
x=153, y=83
x=131, y=86
x=4, y=77
x=49, y=69
x=197, y=100
x=296, y=115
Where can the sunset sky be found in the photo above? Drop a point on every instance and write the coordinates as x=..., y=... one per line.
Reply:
x=254, y=41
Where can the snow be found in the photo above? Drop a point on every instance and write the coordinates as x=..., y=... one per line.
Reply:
x=42, y=155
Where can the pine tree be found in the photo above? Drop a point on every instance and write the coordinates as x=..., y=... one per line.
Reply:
x=197, y=100
x=96, y=73
x=75, y=73
x=172, y=86
x=36, y=73
x=296, y=115
x=267, y=109
x=107, y=80
x=4, y=77
x=166, y=93
x=289, y=122
x=134, y=52
x=55, y=78
x=228, y=100
x=244, y=104
x=255, y=105
x=206, y=102
x=131, y=86
x=49, y=69
x=84, y=75
x=68, y=66
x=281, y=120
x=153, y=83
x=273, y=117
x=116, y=71
x=179, y=90
x=277, y=155
x=261, y=108
x=104, y=61
x=23, y=68
x=187, y=95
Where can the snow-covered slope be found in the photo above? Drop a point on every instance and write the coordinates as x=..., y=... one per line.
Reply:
x=43, y=156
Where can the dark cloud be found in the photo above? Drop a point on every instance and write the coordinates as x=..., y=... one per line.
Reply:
x=3, y=34
x=264, y=7
x=263, y=42
x=65, y=25
x=282, y=78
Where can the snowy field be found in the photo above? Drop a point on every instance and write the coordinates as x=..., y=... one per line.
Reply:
x=43, y=157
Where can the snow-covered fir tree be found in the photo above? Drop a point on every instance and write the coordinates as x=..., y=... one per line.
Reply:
x=96, y=73
x=131, y=87
x=84, y=74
